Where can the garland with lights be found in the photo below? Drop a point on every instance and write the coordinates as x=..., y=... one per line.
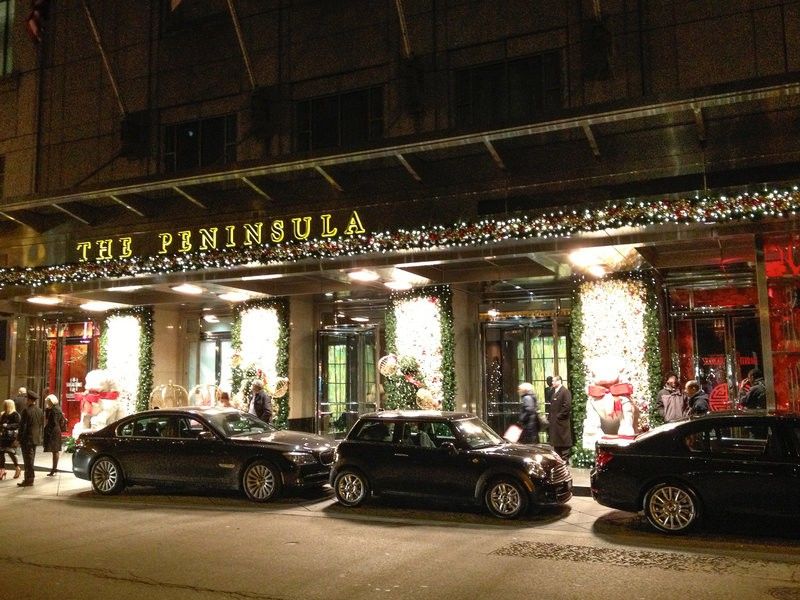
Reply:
x=243, y=375
x=401, y=392
x=144, y=315
x=649, y=369
x=548, y=224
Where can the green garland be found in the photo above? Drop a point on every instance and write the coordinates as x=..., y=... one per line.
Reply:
x=242, y=376
x=144, y=314
x=399, y=392
x=583, y=457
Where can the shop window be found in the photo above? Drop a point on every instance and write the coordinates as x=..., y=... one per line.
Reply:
x=340, y=120
x=512, y=91
x=337, y=380
x=6, y=22
x=203, y=143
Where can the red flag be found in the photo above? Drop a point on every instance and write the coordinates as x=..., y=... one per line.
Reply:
x=34, y=24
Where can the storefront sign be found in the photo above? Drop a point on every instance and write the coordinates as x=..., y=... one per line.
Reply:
x=220, y=237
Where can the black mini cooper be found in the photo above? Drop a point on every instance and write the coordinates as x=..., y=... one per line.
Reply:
x=446, y=455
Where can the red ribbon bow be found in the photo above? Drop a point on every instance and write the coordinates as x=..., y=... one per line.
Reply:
x=618, y=389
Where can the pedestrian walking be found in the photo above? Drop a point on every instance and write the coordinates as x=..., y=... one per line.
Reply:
x=528, y=415
x=670, y=400
x=261, y=405
x=53, y=420
x=30, y=435
x=560, y=418
x=697, y=399
x=9, y=429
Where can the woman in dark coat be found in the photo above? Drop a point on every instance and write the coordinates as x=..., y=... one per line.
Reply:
x=528, y=415
x=9, y=425
x=52, y=430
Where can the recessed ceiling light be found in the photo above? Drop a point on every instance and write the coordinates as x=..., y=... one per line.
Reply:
x=234, y=296
x=187, y=288
x=398, y=285
x=329, y=294
x=596, y=270
x=99, y=306
x=210, y=318
x=360, y=319
x=493, y=312
x=48, y=300
x=126, y=288
x=265, y=276
x=364, y=275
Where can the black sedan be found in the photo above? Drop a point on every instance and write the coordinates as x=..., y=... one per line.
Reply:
x=208, y=447
x=446, y=455
x=720, y=463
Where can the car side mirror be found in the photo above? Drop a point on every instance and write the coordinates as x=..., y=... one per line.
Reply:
x=450, y=448
x=206, y=435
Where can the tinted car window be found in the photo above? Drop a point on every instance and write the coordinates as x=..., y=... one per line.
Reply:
x=696, y=441
x=477, y=434
x=740, y=440
x=190, y=427
x=145, y=427
x=239, y=423
x=375, y=431
x=417, y=433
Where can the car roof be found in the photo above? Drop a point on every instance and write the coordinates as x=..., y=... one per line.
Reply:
x=418, y=415
x=192, y=410
x=745, y=413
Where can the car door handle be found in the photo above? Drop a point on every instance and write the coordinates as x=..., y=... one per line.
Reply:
x=400, y=454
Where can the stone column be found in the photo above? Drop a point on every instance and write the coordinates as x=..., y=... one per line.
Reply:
x=302, y=363
x=168, y=347
x=467, y=356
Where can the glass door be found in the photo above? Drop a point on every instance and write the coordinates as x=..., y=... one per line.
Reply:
x=348, y=383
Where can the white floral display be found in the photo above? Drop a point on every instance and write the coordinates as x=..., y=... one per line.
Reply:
x=419, y=327
x=614, y=332
x=123, y=335
x=260, y=332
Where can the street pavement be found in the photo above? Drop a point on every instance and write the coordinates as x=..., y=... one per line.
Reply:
x=60, y=540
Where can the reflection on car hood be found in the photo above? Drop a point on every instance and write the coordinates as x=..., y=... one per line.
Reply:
x=293, y=440
x=520, y=450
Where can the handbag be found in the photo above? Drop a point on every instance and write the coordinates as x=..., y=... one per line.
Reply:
x=513, y=433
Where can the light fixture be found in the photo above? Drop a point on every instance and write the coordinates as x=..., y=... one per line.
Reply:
x=329, y=294
x=360, y=319
x=210, y=318
x=126, y=288
x=99, y=306
x=596, y=271
x=398, y=285
x=234, y=296
x=48, y=300
x=187, y=288
x=363, y=275
x=493, y=312
x=260, y=277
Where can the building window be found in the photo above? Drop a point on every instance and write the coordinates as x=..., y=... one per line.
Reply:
x=6, y=21
x=200, y=144
x=341, y=120
x=513, y=91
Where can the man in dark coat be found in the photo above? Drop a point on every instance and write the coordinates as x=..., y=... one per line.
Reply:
x=262, y=404
x=21, y=400
x=528, y=415
x=756, y=396
x=30, y=436
x=560, y=418
x=697, y=398
x=548, y=393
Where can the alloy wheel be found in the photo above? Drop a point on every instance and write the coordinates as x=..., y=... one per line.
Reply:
x=106, y=477
x=505, y=499
x=260, y=482
x=351, y=488
x=671, y=508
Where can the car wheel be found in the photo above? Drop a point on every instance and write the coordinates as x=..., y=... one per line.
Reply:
x=351, y=488
x=505, y=499
x=671, y=507
x=106, y=476
x=261, y=482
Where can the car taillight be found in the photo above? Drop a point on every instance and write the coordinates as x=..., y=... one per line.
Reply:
x=602, y=458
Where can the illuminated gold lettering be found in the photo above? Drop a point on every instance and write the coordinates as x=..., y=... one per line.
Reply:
x=276, y=231
x=354, y=225
x=83, y=248
x=298, y=235
x=186, y=241
x=208, y=238
x=229, y=229
x=126, y=251
x=104, y=249
x=252, y=233
x=326, y=226
x=166, y=242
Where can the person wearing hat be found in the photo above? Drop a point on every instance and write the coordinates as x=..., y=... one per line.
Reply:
x=30, y=436
x=21, y=399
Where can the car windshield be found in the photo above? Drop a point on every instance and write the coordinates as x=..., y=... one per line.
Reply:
x=477, y=434
x=237, y=423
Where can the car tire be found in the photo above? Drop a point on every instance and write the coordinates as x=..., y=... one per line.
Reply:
x=106, y=476
x=505, y=498
x=671, y=507
x=351, y=488
x=261, y=481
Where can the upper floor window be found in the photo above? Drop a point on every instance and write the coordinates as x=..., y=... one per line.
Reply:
x=200, y=143
x=512, y=91
x=6, y=21
x=341, y=120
